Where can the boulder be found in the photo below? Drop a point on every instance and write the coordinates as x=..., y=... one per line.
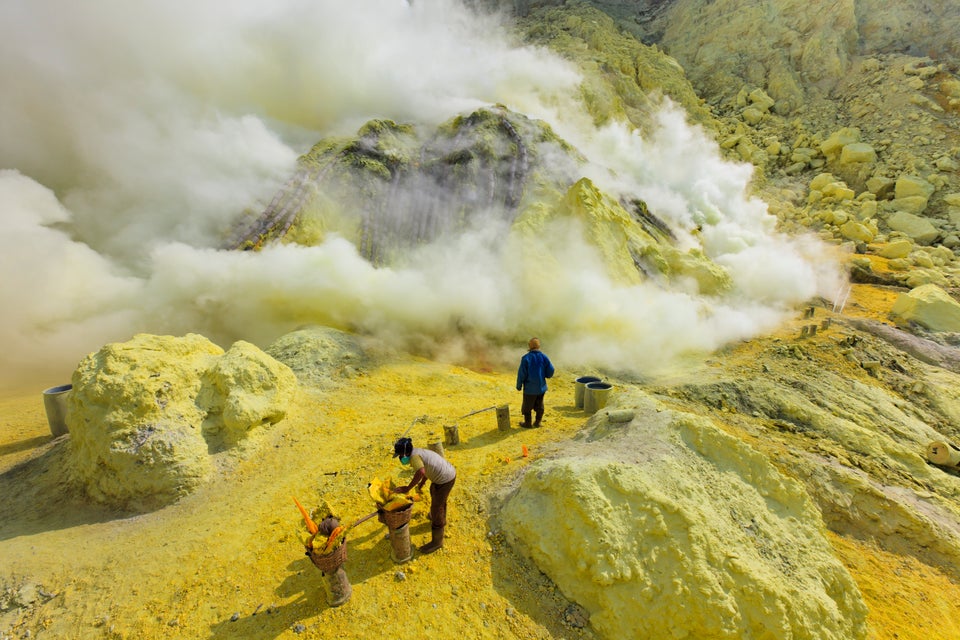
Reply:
x=857, y=231
x=908, y=185
x=895, y=249
x=911, y=193
x=915, y=83
x=821, y=180
x=752, y=115
x=946, y=163
x=244, y=388
x=839, y=191
x=795, y=168
x=803, y=154
x=760, y=99
x=910, y=204
x=950, y=87
x=858, y=152
x=868, y=209
x=918, y=228
x=833, y=146
x=881, y=186
x=669, y=516
x=928, y=306
x=144, y=415
x=320, y=357
x=922, y=260
x=899, y=264
x=835, y=217
x=918, y=277
x=135, y=428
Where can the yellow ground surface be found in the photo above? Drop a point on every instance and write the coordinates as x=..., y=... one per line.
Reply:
x=227, y=562
x=907, y=599
x=234, y=546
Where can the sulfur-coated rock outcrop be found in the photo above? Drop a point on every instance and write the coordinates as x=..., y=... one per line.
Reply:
x=145, y=415
x=666, y=527
x=393, y=188
x=244, y=388
x=320, y=356
x=928, y=306
x=632, y=243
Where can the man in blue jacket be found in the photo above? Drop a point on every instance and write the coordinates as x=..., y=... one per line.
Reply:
x=535, y=368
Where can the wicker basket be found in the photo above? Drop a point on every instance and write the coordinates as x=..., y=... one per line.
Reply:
x=330, y=562
x=398, y=518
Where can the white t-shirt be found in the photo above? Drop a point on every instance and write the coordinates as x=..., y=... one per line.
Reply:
x=438, y=470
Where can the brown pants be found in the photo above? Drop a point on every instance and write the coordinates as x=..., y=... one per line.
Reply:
x=438, y=503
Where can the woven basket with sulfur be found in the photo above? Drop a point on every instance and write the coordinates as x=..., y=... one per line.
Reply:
x=330, y=562
x=398, y=518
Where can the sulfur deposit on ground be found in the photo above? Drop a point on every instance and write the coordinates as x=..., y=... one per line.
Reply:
x=666, y=514
x=777, y=488
x=710, y=516
x=145, y=415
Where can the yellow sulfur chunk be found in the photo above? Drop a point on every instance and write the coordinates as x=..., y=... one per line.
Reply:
x=398, y=501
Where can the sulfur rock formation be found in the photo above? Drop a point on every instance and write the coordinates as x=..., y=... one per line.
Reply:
x=666, y=527
x=145, y=415
x=244, y=388
x=928, y=306
x=392, y=189
x=320, y=356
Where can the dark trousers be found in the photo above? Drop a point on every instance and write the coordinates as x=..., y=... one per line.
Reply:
x=438, y=503
x=532, y=403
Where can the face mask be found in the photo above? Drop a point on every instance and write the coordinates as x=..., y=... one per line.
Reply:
x=405, y=460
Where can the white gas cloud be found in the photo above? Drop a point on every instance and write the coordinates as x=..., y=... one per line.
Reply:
x=134, y=133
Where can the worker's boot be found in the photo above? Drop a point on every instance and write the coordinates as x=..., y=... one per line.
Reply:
x=539, y=418
x=526, y=421
x=436, y=540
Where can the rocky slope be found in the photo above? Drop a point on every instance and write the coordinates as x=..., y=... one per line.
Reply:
x=763, y=492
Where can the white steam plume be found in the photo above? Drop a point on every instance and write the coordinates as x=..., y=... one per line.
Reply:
x=133, y=133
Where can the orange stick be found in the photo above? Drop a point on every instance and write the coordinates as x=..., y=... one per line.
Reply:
x=327, y=548
x=311, y=525
x=526, y=452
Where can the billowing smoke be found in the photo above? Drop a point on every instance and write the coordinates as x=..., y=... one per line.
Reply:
x=134, y=133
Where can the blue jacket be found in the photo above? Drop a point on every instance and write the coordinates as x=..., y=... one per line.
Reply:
x=535, y=368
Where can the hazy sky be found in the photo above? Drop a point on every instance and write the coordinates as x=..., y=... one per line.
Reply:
x=133, y=133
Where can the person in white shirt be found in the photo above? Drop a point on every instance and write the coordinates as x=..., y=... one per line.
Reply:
x=429, y=465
